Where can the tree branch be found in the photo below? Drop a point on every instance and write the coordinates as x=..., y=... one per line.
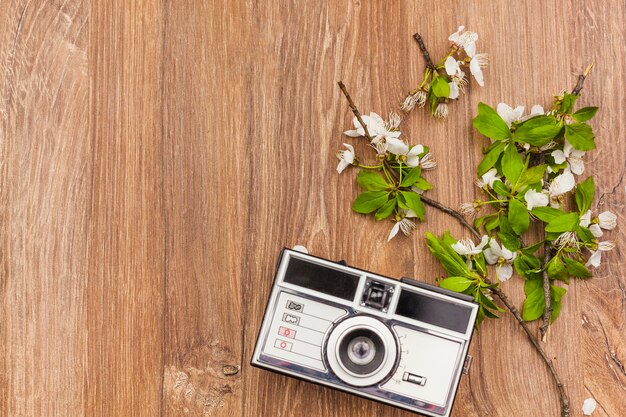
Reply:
x=581, y=79
x=564, y=400
x=420, y=43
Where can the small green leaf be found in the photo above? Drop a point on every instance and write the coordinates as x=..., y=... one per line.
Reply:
x=501, y=188
x=386, y=210
x=538, y=130
x=531, y=249
x=556, y=294
x=491, y=157
x=568, y=102
x=422, y=184
x=547, y=214
x=527, y=266
x=509, y=240
x=576, y=269
x=556, y=269
x=512, y=164
x=485, y=301
x=585, y=192
x=450, y=260
x=519, y=218
x=531, y=176
x=580, y=136
x=490, y=124
x=369, y=201
x=565, y=223
x=584, y=114
x=534, y=304
x=440, y=87
x=492, y=223
x=414, y=202
x=457, y=284
x=585, y=234
x=371, y=181
x=411, y=177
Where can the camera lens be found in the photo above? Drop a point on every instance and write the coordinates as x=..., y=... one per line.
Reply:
x=361, y=351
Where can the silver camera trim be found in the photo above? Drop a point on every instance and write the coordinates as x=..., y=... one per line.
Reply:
x=352, y=308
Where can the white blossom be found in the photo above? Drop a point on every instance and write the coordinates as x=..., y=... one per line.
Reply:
x=561, y=184
x=453, y=69
x=477, y=63
x=405, y=225
x=467, y=209
x=488, y=178
x=466, y=247
x=589, y=406
x=417, y=99
x=596, y=256
x=400, y=148
x=346, y=157
x=535, y=199
x=572, y=156
x=441, y=111
x=378, y=129
x=567, y=240
x=427, y=162
x=509, y=114
x=465, y=40
x=607, y=220
x=500, y=255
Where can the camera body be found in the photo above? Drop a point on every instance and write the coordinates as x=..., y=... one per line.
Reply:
x=400, y=342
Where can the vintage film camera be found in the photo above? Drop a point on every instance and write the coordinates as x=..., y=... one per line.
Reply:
x=403, y=343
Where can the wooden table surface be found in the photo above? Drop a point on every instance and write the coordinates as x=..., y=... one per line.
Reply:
x=155, y=156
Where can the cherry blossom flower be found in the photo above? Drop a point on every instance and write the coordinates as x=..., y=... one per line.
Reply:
x=605, y=220
x=535, y=199
x=405, y=224
x=453, y=69
x=465, y=40
x=378, y=129
x=468, y=209
x=477, y=63
x=561, y=184
x=596, y=256
x=509, y=114
x=567, y=240
x=500, y=255
x=572, y=156
x=441, y=112
x=346, y=158
x=488, y=178
x=400, y=148
x=466, y=247
x=417, y=99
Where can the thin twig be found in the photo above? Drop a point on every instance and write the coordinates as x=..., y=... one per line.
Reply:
x=581, y=79
x=452, y=213
x=355, y=110
x=565, y=410
x=420, y=43
x=547, y=255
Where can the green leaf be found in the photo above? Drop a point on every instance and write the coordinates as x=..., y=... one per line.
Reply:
x=538, y=130
x=386, y=210
x=585, y=192
x=509, y=240
x=580, y=136
x=584, y=114
x=492, y=223
x=491, y=157
x=422, y=184
x=411, y=177
x=369, y=201
x=512, y=164
x=457, y=284
x=531, y=249
x=547, y=214
x=568, y=102
x=371, y=181
x=585, y=234
x=556, y=294
x=490, y=124
x=530, y=176
x=565, y=223
x=534, y=304
x=556, y=269
x=519, y=218
x=485, y=301
x=527, y=266
x=501, y=188
x=440, y=87
x=576, y=269
x=450, y=260
x=414, y=202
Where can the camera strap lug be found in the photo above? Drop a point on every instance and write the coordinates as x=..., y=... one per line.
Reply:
x=468, y=363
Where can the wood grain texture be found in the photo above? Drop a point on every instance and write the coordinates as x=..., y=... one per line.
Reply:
x=156, y=155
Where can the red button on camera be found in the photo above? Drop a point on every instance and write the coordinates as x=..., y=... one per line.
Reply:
x=284, y=331
x=281, y=344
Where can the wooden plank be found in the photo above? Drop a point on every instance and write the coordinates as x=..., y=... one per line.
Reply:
x=205, y=166
x=127, y=225
x=44, y=200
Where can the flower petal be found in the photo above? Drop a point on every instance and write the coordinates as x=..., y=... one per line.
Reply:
x=451, y=65
x=595, y=259
x=607, y=220
x=559, y=156
x=536, y=109
x=394, y=231
x=397, y=146
x=589, y=406
x=354, y=133
x=454, y=91
x=595, y=230
x=477, y=72
x=585, y=219
x=562, y=184
x=535, y=199
x=341, y=166
x=577, y=165
x=504, y=272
